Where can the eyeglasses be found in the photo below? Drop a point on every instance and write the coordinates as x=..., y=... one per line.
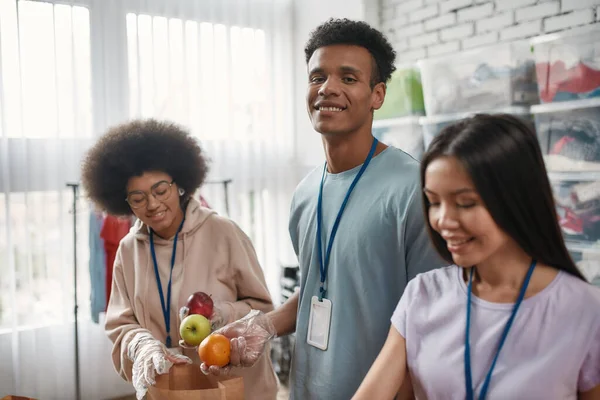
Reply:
x=139, y=199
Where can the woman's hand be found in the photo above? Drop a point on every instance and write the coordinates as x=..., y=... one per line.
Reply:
x=150, y=357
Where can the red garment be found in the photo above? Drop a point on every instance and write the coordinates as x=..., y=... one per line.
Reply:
x=203, y=201
x=555, y=77
x=113, y=230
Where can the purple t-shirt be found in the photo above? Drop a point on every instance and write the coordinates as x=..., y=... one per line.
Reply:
x=552, y=350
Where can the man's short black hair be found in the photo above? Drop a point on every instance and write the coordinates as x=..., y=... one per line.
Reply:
x=357, y=33
x=136, y=147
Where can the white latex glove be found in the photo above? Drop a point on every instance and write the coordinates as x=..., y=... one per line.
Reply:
x=248, y=338
x=150, y=357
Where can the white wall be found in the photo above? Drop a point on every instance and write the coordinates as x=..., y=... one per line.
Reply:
x=308, y=14
x=426, y=28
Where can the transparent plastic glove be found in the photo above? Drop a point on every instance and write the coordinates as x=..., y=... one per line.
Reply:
x=223, y=312
x=150, y=357
x=248, y=337
x=184, y=312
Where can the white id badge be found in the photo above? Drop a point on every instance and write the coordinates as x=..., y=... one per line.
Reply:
x=319, y=323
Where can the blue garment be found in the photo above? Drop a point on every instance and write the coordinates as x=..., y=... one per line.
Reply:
x=97, y=267
x=380, y=245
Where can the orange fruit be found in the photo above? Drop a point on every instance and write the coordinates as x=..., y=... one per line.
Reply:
x=215, y=350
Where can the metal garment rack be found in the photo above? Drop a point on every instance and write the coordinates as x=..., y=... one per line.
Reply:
x=225, y=183
x=75, y=188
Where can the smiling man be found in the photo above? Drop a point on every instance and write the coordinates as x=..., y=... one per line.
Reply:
x=356, y=224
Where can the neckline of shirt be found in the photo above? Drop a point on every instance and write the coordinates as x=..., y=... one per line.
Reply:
x=351, y=172
x=507, y=306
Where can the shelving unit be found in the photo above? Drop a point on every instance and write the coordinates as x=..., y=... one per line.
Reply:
x=569, y=134
x=567, y=176
x=433, y=125
x=402, y=121
x=560, y=71
x=563, y=73
x=583, y=247
x=404, y=133
x=486, y=78
x=568, y=127
x=396, y=123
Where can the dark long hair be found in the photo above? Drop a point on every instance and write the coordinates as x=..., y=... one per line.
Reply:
x=502, y=156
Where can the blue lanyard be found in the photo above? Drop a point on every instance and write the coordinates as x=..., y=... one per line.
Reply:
x=488, y=378
x=165, y=306
x=324, y=264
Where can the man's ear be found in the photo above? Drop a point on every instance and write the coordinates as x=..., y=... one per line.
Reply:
x=378, y=96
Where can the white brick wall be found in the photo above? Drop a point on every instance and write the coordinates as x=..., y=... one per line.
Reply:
x=424, y=13
x=481, y=40
x=457, y=32
x=444, y=48
x=451, y=5
x=410, y=31
x=496, y=23
x=424, y=40
x=526, y=29
x=403, y=6
x=568, y=20
x=512, y=4
x=440, y=22
x=538, y=11
x=427, y=28
x=475, y=13
x=570, y=5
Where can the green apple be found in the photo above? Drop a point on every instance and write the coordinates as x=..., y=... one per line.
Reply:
x=194, y=328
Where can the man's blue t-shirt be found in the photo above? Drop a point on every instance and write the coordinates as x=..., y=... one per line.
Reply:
x=380, y=245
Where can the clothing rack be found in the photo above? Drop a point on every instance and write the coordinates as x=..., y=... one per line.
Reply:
x=225, y=183
x=75, y=188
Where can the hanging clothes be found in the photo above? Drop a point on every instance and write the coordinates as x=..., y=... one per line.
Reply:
x=97, y=266
x=113, y=230
x=203, y=201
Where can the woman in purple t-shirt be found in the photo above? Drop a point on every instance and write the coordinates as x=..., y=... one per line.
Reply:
x=512, y=318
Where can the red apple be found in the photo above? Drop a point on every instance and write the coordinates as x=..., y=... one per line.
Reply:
x=200, y=303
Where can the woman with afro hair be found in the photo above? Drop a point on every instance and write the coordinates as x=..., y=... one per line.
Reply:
x=151, y=169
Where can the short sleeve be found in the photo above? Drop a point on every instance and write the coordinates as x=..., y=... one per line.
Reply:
x=293, y=226
x=420, y=254
x=589, y=375
x=401, y=312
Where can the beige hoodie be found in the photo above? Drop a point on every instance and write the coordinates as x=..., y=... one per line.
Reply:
x=213, y=256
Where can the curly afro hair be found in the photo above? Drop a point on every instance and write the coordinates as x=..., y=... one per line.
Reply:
x=357, y=33
x=136, y=147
